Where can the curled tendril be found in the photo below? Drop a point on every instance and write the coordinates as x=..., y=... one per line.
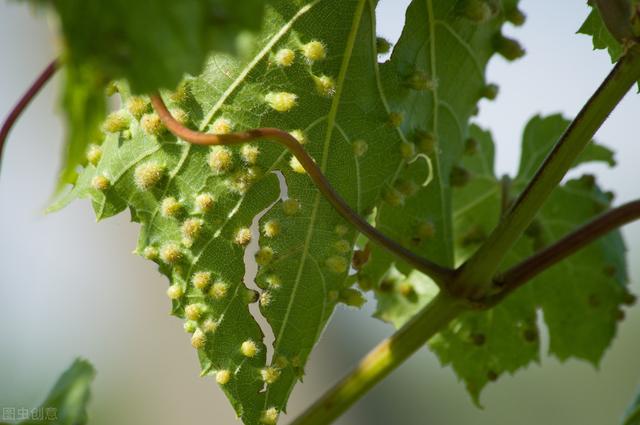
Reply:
x=429, y=166
x=441, y=275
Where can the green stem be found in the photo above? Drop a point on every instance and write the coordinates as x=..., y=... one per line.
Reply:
x=382, y=360
x=475, y=277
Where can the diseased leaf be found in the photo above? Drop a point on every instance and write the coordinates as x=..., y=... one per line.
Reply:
x=312, y=71
x=580, y=298
x=67, y=402
x=434, y=79
x=84, y=105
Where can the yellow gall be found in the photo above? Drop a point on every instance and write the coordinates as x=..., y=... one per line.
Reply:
x=148, y=175
x=193, y=311
x=150, y=253
x=291, y=206
x=337, y=264
x=281, y=362
x=198, y=339
x=407, y=150
x=152, y=124
x=299, y=136
x=204, y=202
x=223, y=377
x=170, y=207
x=270, y=375
x=249, y=154
x=273, y=281
x=271, y=228
x=220, y=159
x=426, y=230
x=180, y=115
x=100, y=182
x=221, y=126
x=190, y=326
x=116, y=122
x=210, y=326
x=393, y=197
x=314, y=51
x=191, y=228
x=342, y=246
x=269, y=416
x=94, y=154
x=249, y=348
x=201, y=280
x=360, y=147
x=325, y=85
x=396, y=119
x=281, y=101
x=264, y=256
x=219, y=290
x=265, y=299
x=170, y=253
x=285, y=57
x=296, y=166
x=243, y=236
x=137, y=106
x=180, y=94
x=175, y=291
x=341, y=230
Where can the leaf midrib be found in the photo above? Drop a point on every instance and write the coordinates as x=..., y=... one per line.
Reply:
x=331, y=119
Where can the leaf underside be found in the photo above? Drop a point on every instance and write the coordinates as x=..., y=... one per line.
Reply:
x=378, y=134
x=305, y=262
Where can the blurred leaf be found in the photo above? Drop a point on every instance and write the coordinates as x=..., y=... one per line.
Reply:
x=306, y=248
x=434, y=79
x=580, y=298
x=83, y=103
x=67, y=402
x=632, y=415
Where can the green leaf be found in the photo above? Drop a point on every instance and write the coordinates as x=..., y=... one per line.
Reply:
x=84, y=105
x=594, y=27
x=540, y=134
x=580, y=298
x=435, y=78
x=152, y=44
x=67, y=402
x=304, y=246
x=632, y=415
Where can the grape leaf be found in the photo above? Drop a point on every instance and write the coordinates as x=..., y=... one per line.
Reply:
x=152, y=44
x=580, y=298
x=602, y=39
x=84, y=107
x=67, y=402
x=632, y=415
x=312, y=68
x=435, y=78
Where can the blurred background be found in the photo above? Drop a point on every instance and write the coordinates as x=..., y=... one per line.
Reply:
x=70, y=287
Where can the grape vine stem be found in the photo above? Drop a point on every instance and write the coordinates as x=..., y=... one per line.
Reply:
x=24, y=101
x=439, y=274
x=474, y=280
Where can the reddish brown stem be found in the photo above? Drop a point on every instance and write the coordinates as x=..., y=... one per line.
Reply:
x=438, y=273
x=518, y=275
x=17, y=110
